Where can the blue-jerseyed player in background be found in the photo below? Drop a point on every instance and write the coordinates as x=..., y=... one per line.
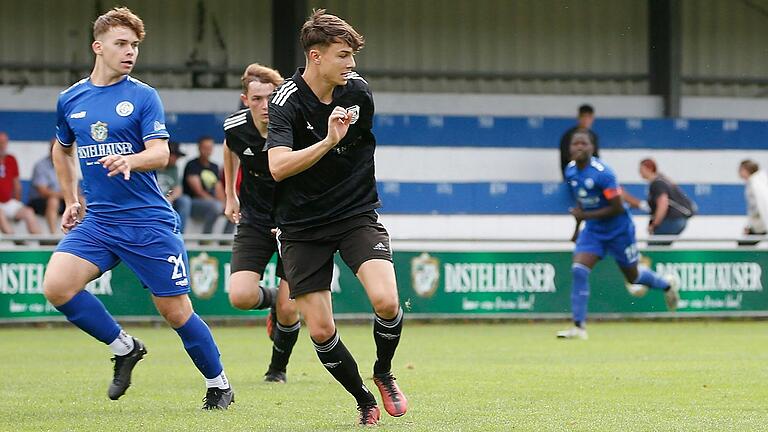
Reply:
x=119, y=126
x=609, y=229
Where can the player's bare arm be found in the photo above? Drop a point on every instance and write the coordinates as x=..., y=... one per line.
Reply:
x=662, y=206
x=231, y=165
x=154, y=156
x=284, y=162
x=66, y=171
x=614, y=208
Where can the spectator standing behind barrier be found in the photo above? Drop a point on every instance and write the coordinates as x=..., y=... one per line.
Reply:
x=756, y=196
x=203, y=185
x=170, y=185
x=670, y=208
x=584, y=121
x=11, y=207
x=45, y=197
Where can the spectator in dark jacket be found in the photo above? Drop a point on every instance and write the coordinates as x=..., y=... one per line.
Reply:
x=584, y=121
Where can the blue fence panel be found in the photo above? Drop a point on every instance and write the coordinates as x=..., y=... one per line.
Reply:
x=470, y=131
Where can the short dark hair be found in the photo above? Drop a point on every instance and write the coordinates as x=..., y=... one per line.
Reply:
x=324, y=29
x=586, y=109
x=749, y=165
x=649, y=164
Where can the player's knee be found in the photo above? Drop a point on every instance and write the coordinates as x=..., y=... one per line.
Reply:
x=287, y=312
x=238, y=300
x=56, y=292
x=386, y=306
x=175, y=317
x=241, y=297
x=321, y=332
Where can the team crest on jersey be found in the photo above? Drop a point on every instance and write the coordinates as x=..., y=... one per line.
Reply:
x=425, y=275
x=99, y=131
x=354, y=110
x=589, y=183
x=205, y=275
x=124, y=109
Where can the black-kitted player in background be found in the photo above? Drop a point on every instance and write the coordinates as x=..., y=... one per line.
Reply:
x=245, y=132
x=321, y=153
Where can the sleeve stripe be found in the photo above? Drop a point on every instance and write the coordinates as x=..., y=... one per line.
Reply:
x=156, y=135
x=285, y=97
x=282, y=95
x=232, y=125
x=61, y=141
x=234, y=119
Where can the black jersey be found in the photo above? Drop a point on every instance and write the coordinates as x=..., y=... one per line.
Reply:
x=258, y=187
x=342, y=183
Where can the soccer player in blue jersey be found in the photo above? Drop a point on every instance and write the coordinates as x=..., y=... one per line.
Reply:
x=609, y=229
x=119, y=126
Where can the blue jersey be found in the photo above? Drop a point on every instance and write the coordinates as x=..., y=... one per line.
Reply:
x=115, y=119
x=592, y=187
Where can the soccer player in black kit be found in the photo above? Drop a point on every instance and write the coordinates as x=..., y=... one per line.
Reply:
x=321, y=154
x=245, y=135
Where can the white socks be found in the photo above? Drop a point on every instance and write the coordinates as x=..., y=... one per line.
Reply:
x=219, y=382
x=122, y=345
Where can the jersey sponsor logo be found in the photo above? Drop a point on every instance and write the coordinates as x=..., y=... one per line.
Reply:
x=157, y=126
x=77, y=115
x=124, y=109
x=354, y=111
x=99, y=131
x=105, y=149
x=425, y=274
x=248, y=152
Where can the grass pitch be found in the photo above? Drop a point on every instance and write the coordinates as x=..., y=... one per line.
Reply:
x=458, y=377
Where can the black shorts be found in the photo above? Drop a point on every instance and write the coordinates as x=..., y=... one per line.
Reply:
x=308, y=254
x=253, y=248
x=39, y=205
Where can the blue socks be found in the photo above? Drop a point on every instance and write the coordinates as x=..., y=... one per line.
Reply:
x=650, y=279
x=198, y=341
x=89, y=314
x=579, y=293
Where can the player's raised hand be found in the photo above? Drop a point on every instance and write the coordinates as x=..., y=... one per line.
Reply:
x=338, y=124
x=71, y=217
x=232, y=209
x=117, y=164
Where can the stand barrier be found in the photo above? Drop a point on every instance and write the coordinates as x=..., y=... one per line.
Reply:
x=433, y=284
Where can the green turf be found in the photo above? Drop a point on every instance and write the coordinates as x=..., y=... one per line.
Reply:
x=464, y=377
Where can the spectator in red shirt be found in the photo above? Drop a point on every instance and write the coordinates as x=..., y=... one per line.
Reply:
x=11, y=207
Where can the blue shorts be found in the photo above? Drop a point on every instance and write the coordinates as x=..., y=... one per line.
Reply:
x=156, y=254
x=621, y=246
